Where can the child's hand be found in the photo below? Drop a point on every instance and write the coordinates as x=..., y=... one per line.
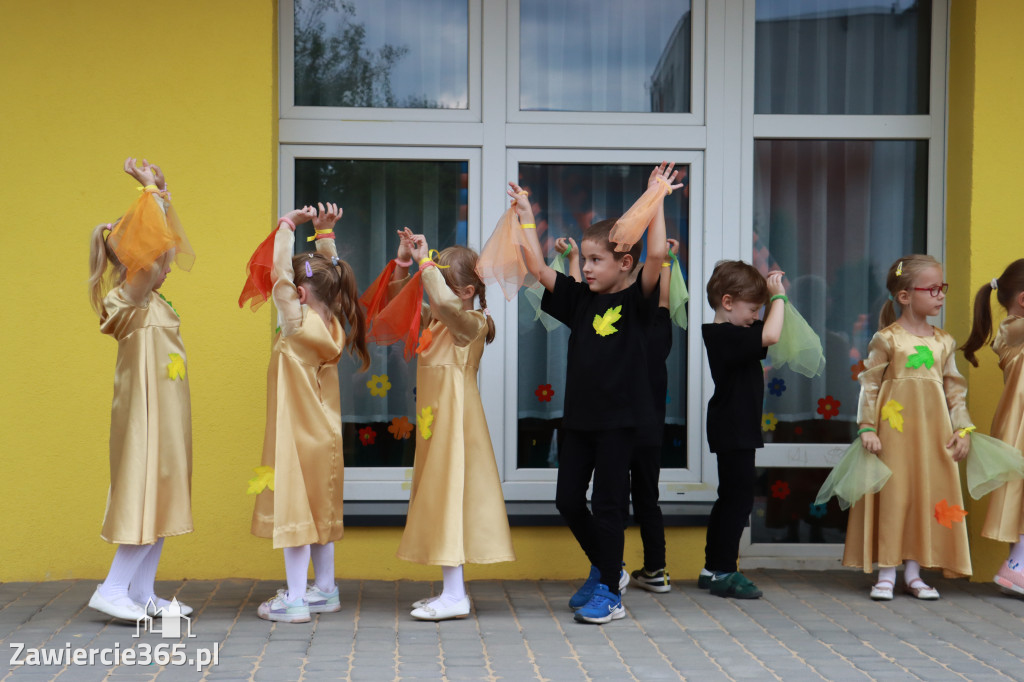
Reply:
x=871, y=442
x=521, y=204
x=775, y=287
x=405, y=244
x=960, y=445
x=326, y=218
x=673, y=246
x=300, y=215
x=158, y=176
x=144, y=175
x=666, y=174
x=420, y=249
x=566, y=246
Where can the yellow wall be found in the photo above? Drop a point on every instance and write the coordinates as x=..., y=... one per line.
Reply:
x=983, y=195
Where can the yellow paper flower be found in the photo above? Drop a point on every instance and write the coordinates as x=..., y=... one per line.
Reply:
x=425, y=420
x=891, y=411
x=379, y=385
x=176, y=367
x=264, y=478
x=768, y=421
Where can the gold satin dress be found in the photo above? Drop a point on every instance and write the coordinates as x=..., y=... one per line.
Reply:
x=150, y=493
x=902, y=521
x=1005, y=518
x=302, y=440
x=456, y=507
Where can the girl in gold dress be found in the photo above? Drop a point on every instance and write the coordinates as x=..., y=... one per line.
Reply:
x=913, y=415
x=315, y=295
x=1005, y=519
x=150, y=422
x=456, y=507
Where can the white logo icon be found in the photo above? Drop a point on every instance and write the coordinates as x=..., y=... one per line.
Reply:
x=170, y=618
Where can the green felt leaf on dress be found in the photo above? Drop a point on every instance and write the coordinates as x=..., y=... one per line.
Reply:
x=923, y=356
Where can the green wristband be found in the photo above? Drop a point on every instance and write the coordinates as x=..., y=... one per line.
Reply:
x=782, y=296
x=866, y=429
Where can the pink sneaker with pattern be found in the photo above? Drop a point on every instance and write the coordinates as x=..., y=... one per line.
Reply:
x=1010, y=578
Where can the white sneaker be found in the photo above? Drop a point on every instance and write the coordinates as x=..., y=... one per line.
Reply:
x=439, y=610
x=154, y=604
x=120, y=607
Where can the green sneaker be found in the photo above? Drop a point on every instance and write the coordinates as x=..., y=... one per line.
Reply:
x=704, y=580
x=734, y=585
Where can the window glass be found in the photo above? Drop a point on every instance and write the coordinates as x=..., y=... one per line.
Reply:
x=784, y=509
x=842, y=56
x=834, y=215
x=382, y=53
x=567, y=198
x=378, y=198
x=604, y=55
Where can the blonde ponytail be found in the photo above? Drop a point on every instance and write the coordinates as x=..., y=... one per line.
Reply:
x=100, y=257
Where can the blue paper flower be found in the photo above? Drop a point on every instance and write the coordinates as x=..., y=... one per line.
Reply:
x=817, y=510
x=777, y=386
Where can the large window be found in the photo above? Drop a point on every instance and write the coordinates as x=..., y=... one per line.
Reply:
x=811, y=133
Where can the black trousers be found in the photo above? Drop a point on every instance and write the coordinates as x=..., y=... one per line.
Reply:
x=604, y=455
x=729, y=515
x=644, y=471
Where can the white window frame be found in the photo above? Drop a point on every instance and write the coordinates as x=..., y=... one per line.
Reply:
x=288, y=108
x=930, y=127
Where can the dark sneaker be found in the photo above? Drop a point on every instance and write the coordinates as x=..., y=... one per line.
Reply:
x=658, y=581
x=704, y=580
x=734, y=585
x=602, y=607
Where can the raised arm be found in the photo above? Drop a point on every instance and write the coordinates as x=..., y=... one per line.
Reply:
x=665, y=283
x=568, y=248
x=445, y=305
x=323, y=226
x=772, y=330
x=657, y=246
x=532, y=253
x=284, y=293
x=137, y=290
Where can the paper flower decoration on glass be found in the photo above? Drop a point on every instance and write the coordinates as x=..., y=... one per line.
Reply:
x=768, y=421
x=946, y=514
x=367, y=436
x=176, y=367
x=828, y=407
x=400, y=428
x=379, y=385
x=777, y=386
x=856, y=369
x=544, y=393
x=780, y=490
x=817, y=510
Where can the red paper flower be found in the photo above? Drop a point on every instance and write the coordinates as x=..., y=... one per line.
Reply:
x=367, y=435
x=780, y=489
x=400, y=428
x=856, y=369
x=828, y=407
x=544, y=393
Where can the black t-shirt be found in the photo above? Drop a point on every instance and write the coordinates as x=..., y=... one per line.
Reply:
x=606, y=377
x=659, y=344
x=734, y=412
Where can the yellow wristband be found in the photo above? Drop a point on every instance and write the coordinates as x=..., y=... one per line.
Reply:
x=425, y=260
x=529, y=226
x=667, y=265
x=966, y=430
x=317, y=234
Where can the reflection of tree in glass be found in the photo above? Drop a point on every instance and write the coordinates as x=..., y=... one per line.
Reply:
x=333, y=67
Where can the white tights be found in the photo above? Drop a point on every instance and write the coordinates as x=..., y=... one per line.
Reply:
x=132, y=573
x=296, y=567
x=911, y=572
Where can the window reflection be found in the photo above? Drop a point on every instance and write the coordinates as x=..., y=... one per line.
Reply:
x=567, y=198
x=833, y=215
x=382, y=53
x=842, y=57
x=378, y=198
x=605, y=55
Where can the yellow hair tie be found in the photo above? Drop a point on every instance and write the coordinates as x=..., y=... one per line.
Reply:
x=317, y=233
x=148, y=187
x=529, y=226
x=433, y=255
x=967, y=429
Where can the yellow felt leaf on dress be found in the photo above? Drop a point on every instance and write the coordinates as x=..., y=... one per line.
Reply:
x=176, y=367
x=264, y=478
x=604, y=324
x=891, y=411
x=425, y=419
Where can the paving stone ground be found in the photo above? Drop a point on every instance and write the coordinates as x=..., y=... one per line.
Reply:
x=808, y=626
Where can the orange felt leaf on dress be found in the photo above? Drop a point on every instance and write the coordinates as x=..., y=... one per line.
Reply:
x=426, y=338
x=946, y=514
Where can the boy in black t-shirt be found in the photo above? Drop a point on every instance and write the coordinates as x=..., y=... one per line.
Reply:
x=604, y=403
x=736, y=342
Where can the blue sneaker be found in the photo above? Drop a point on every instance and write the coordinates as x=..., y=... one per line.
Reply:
x=586, y=590
x=602, y=607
